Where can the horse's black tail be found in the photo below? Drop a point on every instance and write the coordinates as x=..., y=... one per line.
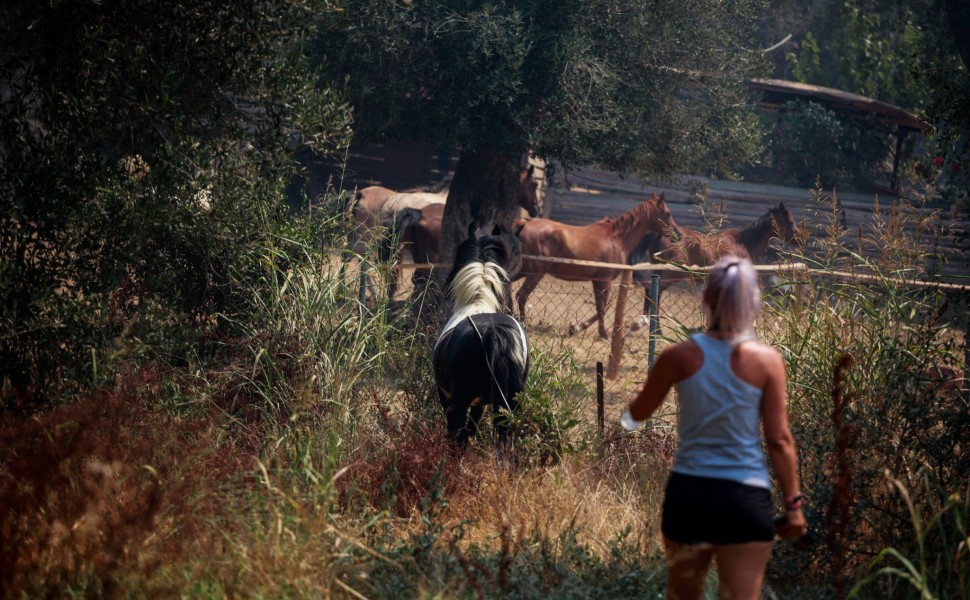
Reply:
x=351, y=201
x=397, y=226
x=508, y=357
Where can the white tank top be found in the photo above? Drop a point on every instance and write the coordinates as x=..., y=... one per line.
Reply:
x=720, y=420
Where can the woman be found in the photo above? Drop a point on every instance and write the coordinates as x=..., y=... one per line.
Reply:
x=718, y=498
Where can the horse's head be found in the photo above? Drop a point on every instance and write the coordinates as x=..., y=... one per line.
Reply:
x=785, y=225
x=479, y=272
x=663, y=220
x=529, y=194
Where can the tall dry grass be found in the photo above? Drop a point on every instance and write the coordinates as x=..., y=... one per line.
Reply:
x=302, y=454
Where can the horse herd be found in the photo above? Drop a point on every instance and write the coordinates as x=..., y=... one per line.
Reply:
x=481, y=355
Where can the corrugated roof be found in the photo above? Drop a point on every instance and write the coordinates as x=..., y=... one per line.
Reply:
x=775, y=92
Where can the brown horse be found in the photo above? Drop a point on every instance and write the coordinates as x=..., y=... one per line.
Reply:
x=378, y=206
x=415, y=224
x=695, y=248
x=418, y=235
x=609, y=240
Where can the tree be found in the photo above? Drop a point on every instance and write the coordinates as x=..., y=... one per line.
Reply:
x=944, y=70
x=144, y=146
x=862, y=47
x=652, y=88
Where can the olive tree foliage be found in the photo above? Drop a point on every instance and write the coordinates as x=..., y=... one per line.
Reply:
x=646, y=87
x=144, y=148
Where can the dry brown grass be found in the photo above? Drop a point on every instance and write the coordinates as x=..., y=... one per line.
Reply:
x=599, y=496
x=104, y=491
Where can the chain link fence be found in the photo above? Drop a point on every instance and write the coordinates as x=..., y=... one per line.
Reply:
x=556, y=310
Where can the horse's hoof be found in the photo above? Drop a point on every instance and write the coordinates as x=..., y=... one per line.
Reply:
x=572, y=329
x=640, y=323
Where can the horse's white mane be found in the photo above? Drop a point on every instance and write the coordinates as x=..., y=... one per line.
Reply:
x=478, y=288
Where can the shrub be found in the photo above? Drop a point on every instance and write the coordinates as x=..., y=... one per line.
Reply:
x=144, y=156
x=871, y=359
x=812, y=142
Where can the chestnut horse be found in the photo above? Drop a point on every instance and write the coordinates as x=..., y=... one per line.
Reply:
x=695, y=248
x=418, y=235
x=609, y=240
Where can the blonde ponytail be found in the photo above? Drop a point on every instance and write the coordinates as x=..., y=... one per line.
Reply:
x=732, y=297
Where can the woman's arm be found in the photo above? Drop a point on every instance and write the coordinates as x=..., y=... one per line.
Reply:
x=781, y=442
x=662, y=377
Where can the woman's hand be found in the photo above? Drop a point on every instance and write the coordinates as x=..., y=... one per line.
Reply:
x=794, y=526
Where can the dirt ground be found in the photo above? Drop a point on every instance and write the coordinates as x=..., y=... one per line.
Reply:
x=556, y=306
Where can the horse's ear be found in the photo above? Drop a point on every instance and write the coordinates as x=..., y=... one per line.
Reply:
x=496, y=230
x=663, y=196
x=781, y=205
x=471, y=230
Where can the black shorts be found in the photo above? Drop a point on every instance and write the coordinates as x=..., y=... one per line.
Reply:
x=716, y=511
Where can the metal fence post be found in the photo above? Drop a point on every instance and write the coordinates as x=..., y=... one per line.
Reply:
x=654, y=317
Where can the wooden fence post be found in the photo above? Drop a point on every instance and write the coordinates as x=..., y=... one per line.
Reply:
x=600, y=409
x=654, y=318
x=966, y=361
x=619, y=326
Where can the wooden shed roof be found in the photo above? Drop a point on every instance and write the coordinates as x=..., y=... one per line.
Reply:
x=775, y=92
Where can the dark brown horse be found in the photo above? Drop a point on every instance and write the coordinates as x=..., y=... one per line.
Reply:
x=696, y=248
x=418, y=236
x=609, y=240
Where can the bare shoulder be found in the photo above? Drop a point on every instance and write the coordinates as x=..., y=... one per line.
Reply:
x=682, y=359
x=758, y=364
x=767, y=357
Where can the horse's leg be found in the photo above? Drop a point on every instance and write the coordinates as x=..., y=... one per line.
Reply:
x=601, y=293
x=365, y=284
x=504, y=400
x=601, y=296
x=528, y=286
x=393, y=279
x=475, y=416
x=457, y=415
x=645, y=313
x=508, y=298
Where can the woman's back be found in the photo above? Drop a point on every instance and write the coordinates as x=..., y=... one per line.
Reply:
x=720, y=416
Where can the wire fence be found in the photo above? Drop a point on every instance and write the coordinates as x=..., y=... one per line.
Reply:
x=638, y=326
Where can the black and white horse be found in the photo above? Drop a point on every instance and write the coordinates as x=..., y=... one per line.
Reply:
x=481, y=357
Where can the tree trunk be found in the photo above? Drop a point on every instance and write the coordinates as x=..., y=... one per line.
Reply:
x=483, y=191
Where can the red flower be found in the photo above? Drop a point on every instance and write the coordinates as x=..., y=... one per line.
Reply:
x=938, y=161
x=955, y=167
